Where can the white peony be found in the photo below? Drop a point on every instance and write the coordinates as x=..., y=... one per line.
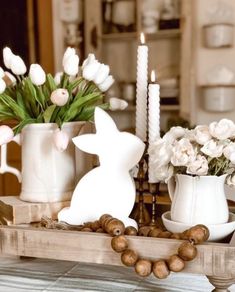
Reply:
x=183, y=153
x=202, y=134
x=160, y=152
x=229, y=152
x=212, y=148
x=163, y=173
x=190, y=135
x=174, y=133
x=222, y=130
x=199, y=166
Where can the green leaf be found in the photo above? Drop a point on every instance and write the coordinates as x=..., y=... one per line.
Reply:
x=15, y=108
x=22, y=124
x=48, y=113
x=51, y=82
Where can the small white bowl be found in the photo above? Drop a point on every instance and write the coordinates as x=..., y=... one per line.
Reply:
x=217, y=231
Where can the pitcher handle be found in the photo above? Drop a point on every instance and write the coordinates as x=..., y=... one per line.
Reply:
x=171, y=187
x=4, y=167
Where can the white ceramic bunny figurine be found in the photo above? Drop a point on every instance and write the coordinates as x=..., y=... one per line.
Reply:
x=108, y=188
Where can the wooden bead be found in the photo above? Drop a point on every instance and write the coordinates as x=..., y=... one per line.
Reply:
x=176, y=236
x=198, y=234
x=129, y=257
x=175, y=263
x=95, y=225
x=106, y=222
x=154, y=232
x=184, y=235
x=187, y=251
x=100, y=230
x=86, y=229
x=164, y=234
x=119, y=243
x=115, y=227
x=130, y=230
x=103, y=218
x=144, y=231
x=160, y=269
x=143, y=267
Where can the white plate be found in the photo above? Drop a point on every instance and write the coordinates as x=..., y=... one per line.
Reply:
x=217, y=231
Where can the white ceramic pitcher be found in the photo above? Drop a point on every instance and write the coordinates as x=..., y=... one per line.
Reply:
x=198, y=200
x=47, y=175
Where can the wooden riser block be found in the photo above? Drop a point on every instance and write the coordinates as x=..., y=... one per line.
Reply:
x=15, y=211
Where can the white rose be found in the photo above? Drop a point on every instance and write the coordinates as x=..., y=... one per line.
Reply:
x=61, y=140
x=230, y=181
x=223, y=129
x=71, y=65
x=117, y=104
x=102, y=74
x=7, y=56
x=174, y=133
x=6, y=134
x=2, y=86
x=37, y=74
x=163, y=173
x=69, y=52
x=202, y=134
x=212, y=149
x=104, y=86
x=17, y=65
x=183, y=153
x=160, y=152
x=198, y=166
x=229, y=152
x=90, y=70
x=60, y=96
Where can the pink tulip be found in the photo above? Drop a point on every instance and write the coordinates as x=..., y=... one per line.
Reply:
x=6, y=134
x=60, y=96
x=61, y=140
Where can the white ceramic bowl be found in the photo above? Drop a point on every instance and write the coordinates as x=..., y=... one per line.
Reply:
x=217, y=231
x=218, y=35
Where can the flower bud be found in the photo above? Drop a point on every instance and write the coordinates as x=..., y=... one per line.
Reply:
x=11, y=79
x=60, y=96
x=61, y=140
x=117, y=104
x=90, y=70
x=6, y=134
x=69, y=52
x=71, y=64
x=17, y=65
x=89, y=59
x=7, y=56
x=2, y=86
x=102, y=74
x=37, y=74
x=104, y=86
x=2, y=74
x=58, y=77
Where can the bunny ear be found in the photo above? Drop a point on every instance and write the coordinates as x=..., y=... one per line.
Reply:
x=87, y=143
x=103, y=122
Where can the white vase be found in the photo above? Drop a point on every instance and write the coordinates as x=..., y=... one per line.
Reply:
x=198, y=200
x=47, y=174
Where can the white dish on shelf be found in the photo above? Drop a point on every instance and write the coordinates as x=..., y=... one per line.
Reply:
x=217, y=231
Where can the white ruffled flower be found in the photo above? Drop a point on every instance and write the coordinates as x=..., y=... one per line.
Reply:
x=160, y=152
x=17, y=65
x=223, y=129
x=6, y=134
x=190, y=135
x=202, y=134
x=174, y=133
x=199, y=166
x=117, y=104
x=71, y=65
x=104, y=86
x=163, y=173
x=7, y=56
x=183, y=153
x=61, y=140
x=37, y=74
x=60, y=96
x=212, y=149
x=2, y=86
x=11, y=77
x=90, y=70
x=230, y=181
x=102, y=74
x=69, y=52
x=58, y=77
x=229, y=152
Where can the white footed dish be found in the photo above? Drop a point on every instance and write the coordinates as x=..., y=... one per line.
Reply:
x=217, y=231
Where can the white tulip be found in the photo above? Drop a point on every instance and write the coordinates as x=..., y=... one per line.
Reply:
x=212, y=148
x=37, y=74
x=7, y=56
x=58, y=77
x=17, y=65
x=89, y=59
x=2, y=73
x=117, y=104
x=104, y=86
x=11, y=77
x=199, y=166
x=60, y=96
x=6, y=134
x=61, y=140
x=102, y=74
x=2, y=86
x=71, y=65
x=223, y=129
x=69, y=52
x=90, y=70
